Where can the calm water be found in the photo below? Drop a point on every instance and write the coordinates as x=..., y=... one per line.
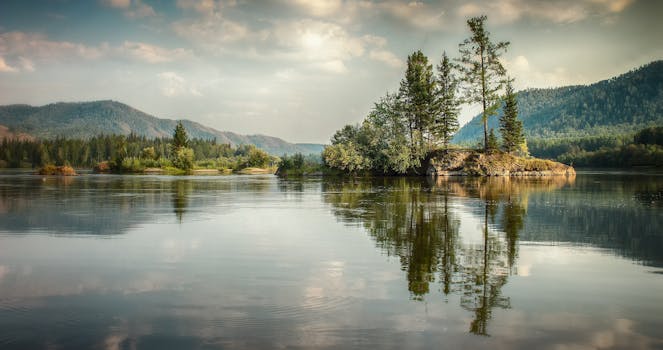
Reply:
x=246, y=262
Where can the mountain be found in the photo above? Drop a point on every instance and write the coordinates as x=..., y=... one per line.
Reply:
x=620, y=105
x=85, y=119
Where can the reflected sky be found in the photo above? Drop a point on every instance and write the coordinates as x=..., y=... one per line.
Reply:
x=258, y=262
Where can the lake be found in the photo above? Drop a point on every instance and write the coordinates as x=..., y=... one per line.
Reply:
x=258, y=262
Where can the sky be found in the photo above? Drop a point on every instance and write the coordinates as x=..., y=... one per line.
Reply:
x=297, y=69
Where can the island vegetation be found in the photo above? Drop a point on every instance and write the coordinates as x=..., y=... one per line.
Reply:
x=136, y=154
x=410, y=131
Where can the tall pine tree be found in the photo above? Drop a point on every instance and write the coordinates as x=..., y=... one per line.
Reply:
x=482, y=73
x=416, y=97
x=180, y=138
x=510, y=127
x=445, y=123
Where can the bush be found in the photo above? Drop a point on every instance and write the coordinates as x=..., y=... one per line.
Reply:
x=132, y=165
x=183, y=158
x=51, y=169
x=102, y=167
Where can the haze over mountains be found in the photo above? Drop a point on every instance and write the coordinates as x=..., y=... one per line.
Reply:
x=623, y=104
x=86, y=119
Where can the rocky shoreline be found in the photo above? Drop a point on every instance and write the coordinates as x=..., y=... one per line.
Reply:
x=473, y=163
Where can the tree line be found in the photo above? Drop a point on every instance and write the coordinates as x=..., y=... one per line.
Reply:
x=132, y=153
x=404, y=128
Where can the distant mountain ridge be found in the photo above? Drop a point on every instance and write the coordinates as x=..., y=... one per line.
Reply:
x=86, y=119
x=623, y=104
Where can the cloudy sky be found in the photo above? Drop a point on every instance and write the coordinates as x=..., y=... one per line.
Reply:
x=296, y=69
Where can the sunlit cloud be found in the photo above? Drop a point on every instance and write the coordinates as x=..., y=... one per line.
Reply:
x=559, y=11
x=5, y=68
x=153, y=54
x=319, y=8
x=174, y=85
x=20, y=50
x=131, y=8
x=121, y=4
x=211, y=32
x=386, y=57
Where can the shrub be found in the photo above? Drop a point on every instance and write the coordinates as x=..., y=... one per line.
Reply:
x=183, y=158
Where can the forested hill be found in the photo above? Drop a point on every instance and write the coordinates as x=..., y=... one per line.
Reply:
x=86, y=119
x=619, y=105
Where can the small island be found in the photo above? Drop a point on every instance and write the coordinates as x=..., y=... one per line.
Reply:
x=410, y=132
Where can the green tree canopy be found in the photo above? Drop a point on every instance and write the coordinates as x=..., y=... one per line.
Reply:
x=510, y=127
x=180, y=137
x=445, y=122
x=482, y=73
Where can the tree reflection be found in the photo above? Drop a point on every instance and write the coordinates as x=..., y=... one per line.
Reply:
x=181, y=190
x=418, y=221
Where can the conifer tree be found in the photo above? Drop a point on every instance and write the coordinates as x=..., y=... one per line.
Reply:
x=482, y=73
x=510, y=127
x=445, y=123
x=416, y=95
x=180, y=138
x=491, y=144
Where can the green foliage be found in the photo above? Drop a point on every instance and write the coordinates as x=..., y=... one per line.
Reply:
x=445, y=122
x=131, y=165
x=617, y=151
x=510, y=127
x=417, y=100
x=620, y=157
x=615, y=107
x=183, y=158
x=148, y=153
x=481, y=71
x=345, y=156
x=254, y=157
x=180, y=137
x=649, y=136
x=299, y=164
x=492, y=145
x=384, y=143
x=128, y=153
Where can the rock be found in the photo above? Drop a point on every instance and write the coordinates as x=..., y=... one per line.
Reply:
x=474, y=163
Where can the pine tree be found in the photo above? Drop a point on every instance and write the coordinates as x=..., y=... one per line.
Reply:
x=482, y=73
x=417, y=94
x=491, y=142
x=510, y=127
x=445, y=123
x=180, y=138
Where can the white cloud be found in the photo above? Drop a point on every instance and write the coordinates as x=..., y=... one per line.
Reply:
x=37, y=46
x=212, y=32
x=131, y=8
x=531, y=76
x=386, y=57
x=6, y=68
x=140, y=10
x=120, y=4
x=416, y=13
x=559, y=11
x=24, y=49
x=319, y=8
x=26, y=64
x=153, y=54
x=173, y=85
x=202, y=6
x=316, y=40
x=333, y=66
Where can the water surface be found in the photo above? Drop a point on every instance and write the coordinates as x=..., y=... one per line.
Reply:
x=245, y=262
